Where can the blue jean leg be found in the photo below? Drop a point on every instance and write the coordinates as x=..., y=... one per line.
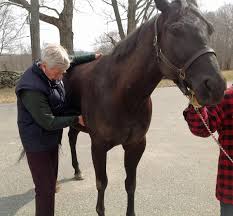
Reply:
x=226, y=209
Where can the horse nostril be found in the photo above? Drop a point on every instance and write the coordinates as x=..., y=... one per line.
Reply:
x=208, y=84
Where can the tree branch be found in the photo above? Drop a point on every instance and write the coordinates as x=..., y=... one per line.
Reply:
x=113, y=41
x=106, y=2
x=139, y=2
x=144, y=12
x=149, y=15
x=124, y=7
x=53, y=9
x=9, y=4
x=90, y=5
x=17, y=33
x=24, y=4
x=49, y=19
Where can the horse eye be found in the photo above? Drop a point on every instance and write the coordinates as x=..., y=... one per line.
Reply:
x=176, y=29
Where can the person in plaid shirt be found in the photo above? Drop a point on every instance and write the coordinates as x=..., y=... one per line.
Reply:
x=220, y=119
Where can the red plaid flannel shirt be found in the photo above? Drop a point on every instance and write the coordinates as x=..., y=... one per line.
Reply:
x=220, y=119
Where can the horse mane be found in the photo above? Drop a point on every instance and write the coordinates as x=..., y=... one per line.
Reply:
x=126, y=46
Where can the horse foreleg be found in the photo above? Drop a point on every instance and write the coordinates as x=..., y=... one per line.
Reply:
x=99, y=155
x=133, y=153
x=73, y=133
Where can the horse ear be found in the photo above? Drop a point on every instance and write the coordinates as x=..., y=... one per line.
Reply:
x=194, y=2
x=162, y=5
x=184, y=3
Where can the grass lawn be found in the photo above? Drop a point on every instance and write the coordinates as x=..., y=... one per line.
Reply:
x=7, y=95
x=228, y=75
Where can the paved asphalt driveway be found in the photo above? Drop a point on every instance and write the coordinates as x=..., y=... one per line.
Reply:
x=176, y=175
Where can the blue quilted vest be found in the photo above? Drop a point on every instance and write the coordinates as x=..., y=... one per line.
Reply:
x=35, y=138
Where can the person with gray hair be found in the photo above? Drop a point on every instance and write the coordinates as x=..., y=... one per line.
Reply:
x=41, y=109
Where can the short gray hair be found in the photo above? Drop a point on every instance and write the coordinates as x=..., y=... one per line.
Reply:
x=54, y=55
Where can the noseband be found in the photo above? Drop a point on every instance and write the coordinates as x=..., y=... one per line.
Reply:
x=179, y=71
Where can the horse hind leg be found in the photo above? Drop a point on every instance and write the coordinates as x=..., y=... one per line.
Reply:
x=133, y=154
x=72, y=134
x=99, y=155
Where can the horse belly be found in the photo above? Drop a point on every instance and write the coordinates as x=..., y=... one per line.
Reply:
x=121, y=126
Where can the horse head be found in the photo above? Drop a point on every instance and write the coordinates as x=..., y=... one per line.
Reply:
x=181, y=42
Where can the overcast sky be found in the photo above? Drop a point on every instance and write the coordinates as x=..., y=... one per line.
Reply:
x=88, y=24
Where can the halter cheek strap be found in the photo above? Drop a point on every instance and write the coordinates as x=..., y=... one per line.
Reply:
x=181, y=71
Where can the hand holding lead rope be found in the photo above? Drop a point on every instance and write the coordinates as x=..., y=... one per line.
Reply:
x=193, y=101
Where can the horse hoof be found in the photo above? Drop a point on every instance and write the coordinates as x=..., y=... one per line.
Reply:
x=100, y=213
x=58, y=187
x=78, y=176
x=130, y=214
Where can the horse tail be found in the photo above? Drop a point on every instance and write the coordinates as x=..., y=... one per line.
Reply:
x=21, y=156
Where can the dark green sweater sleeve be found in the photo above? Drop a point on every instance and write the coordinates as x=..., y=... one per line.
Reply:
x=83, y=59
x=38, y=106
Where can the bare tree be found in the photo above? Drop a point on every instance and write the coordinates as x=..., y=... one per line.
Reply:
x=222, y=40
x=127, y=15
x=106, y=42
x=9, y=31
x=62, y=20
x=135, y=12
x=145, y=9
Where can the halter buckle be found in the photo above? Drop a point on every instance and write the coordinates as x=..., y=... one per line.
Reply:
x=182, y=74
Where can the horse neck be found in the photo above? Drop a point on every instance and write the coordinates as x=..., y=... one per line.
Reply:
x=141, y=74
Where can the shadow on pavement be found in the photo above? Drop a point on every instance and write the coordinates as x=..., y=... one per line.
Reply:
x=11, y=204
x=65, y=180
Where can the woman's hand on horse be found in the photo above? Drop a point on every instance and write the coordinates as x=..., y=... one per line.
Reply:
x=98, y=55
x=80, y=120
x=194, y=102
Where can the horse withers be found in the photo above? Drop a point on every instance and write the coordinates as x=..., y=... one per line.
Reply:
x=115, y=90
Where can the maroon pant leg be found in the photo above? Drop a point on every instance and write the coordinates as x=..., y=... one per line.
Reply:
x=44, y=166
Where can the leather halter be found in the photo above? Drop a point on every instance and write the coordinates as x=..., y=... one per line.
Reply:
x=179, y=71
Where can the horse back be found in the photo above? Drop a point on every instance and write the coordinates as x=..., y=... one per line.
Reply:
x=103, y=104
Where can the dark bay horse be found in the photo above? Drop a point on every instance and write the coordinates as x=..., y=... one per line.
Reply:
x=115, y=90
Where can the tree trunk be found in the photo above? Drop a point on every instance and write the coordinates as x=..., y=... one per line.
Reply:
x=118, y=19
x=35, y=30
x=131, y=16
x=66, y=39
x=63, y=23
x=65, y=27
